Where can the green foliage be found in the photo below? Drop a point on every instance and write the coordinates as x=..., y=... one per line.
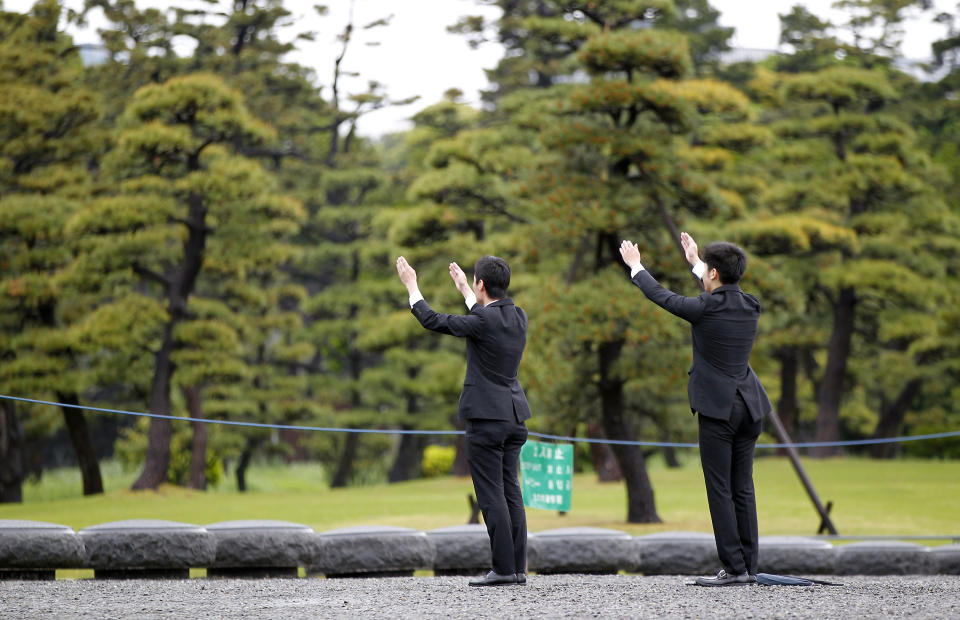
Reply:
x=736, y=137
x=132, y=446
x=841, y=87
x=833, y=169
x=626, y=51
x=853, y=199
x=211, y=228
x=613, y=96
x=933, y=420
x=808, y=36
x=795, y=235
x=565, y=365
x=711, y=97
x=197, y=102
x=49, y=128
x=699, y=21
x=438, y=460
x=48, y=117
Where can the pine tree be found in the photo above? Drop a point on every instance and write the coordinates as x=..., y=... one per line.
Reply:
x=707, y=39
x=243, y=46
x=607, y=161
x=182, y=200
x=421, y=375
x=858, y=205
x=49, y=129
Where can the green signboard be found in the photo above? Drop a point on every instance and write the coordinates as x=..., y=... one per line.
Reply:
x=546, y=475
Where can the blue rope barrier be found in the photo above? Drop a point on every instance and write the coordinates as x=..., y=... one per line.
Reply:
x=392, y=431
x=232, y=422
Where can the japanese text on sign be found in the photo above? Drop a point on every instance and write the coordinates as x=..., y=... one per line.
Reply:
x=546, y=474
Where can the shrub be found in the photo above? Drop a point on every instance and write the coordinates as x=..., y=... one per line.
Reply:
x=438, y=460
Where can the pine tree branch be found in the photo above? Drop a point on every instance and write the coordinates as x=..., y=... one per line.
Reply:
x=199, y=226
x=496, y=206
x=149, y=274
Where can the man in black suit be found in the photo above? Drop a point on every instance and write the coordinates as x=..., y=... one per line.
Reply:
x=492, y=403
x=724, y=391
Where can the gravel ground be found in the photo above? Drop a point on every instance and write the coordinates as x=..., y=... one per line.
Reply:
x=558, y=596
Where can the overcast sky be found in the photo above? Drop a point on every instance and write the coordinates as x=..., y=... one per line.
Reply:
x=416, y=56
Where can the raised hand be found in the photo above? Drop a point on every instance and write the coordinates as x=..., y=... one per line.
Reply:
x=407, y=275
x=689, y=248
x=630, y=254
x=460, y=279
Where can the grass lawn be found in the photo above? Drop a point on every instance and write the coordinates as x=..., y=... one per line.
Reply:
x=902, y=497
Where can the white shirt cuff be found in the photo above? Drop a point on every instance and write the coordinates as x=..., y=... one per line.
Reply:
x=415, y=297
x=700, y=269
x=470, y=300
x=636, y=270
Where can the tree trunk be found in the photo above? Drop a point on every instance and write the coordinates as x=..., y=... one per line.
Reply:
x=179, y=289
x=344, y=473
x=242, y=464
x=460, y=467
x=157, y=463
x=11, y=454
x=408, y=464
x=80, y=438
x=31, y=457
x=670, y=456
x=787, y=406
x=345, y=467
x=891, y=419
x=831, y=387
x=603, y=459
x=640, y=501
x=198, y=443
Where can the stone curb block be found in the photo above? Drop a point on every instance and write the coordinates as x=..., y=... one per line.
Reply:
x=461, y=550
x=372, y=551
x=253, y=547
x=885, y=558
x=139, y=544
x=581, y=550
x=948, y=559
x=786, y=555
x=678, y=553
x=35, y=549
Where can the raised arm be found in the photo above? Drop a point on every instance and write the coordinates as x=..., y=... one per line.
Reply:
x=451, y=324
x=687, y=308
x=692, y=255
x=460, y=281
x=689, y=249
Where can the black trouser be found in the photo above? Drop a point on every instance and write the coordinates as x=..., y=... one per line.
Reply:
x=493, y=454
x=726, y=454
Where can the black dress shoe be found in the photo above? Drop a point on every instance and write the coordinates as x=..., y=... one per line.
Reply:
x=493, y=579
x=521, y=579
x=724, y=578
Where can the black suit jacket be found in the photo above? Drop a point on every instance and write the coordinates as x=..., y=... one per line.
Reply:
x=724, y=327
x=496, y=336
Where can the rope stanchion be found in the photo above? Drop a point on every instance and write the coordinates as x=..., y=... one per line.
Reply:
x=394, y=431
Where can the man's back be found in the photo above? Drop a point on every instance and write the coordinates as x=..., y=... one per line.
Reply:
x=496, y=337
x=724, y=327
x=494, y=353
x=726, y=330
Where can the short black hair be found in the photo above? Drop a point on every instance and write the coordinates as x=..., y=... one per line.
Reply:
x=495, y=273
x=728, y=259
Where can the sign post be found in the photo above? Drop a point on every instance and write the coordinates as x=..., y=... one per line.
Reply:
x=546, y=475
